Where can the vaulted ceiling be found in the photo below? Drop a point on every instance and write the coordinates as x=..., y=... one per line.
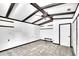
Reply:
x=26, y=12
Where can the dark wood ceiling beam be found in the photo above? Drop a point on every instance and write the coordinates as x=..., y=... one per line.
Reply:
x=37, y=20
x=52, y=5
x=45, y=22
x=38, y=7
x=62, y=18
x=65, y=13
x=10, y=9
x=44, y=7
x=45, y=14
x=30, y=16
x=54, y=19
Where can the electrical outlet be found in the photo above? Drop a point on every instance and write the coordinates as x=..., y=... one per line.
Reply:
x=8, y=40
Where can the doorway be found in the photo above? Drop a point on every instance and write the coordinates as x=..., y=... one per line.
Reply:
x=65, y=34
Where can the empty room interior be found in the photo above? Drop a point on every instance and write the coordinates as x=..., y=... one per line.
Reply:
x=39, y=29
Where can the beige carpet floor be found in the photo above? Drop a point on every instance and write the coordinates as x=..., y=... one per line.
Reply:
x=38, y=48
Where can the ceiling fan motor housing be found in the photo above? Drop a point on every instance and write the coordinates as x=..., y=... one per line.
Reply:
x=45, y=14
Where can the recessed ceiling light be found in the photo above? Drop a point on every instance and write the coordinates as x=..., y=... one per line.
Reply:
x=68, y=9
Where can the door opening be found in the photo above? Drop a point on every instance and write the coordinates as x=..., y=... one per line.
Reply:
x=65, y=34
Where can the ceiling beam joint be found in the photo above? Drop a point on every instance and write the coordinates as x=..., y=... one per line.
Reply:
x=44, y=7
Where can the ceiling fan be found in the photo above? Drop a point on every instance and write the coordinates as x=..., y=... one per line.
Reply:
x=45, y=14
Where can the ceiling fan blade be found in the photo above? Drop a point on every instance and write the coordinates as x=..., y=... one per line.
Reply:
x=38, y=7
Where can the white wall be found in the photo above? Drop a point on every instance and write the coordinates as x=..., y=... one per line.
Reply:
x=54, y=33
x=73, y=33
x=78, y=37
x=24, y=33
x=74, y=37
x=46, y=33
x=76, y=42
x=21, y=33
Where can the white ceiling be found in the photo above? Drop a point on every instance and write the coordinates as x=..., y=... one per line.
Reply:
x=43, y=20
x=44, y=4
x=4, y=8
x=63, y=16
x=62, y=8
x=53, y=10
x=23, y=10
x=34, y=17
